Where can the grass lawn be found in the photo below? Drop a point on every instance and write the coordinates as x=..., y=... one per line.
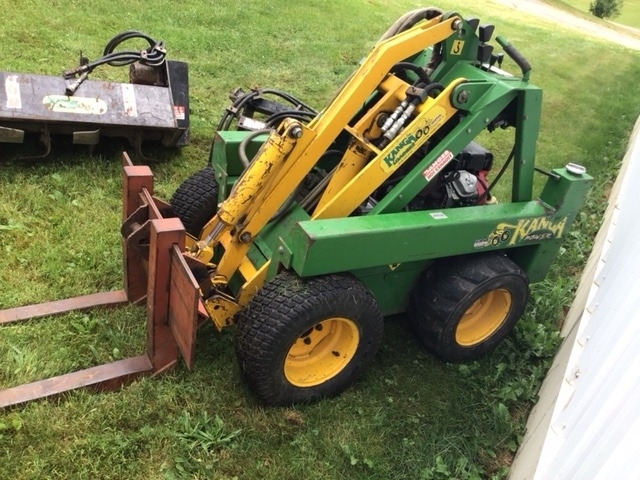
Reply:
x=412, y=416
x=629, y=13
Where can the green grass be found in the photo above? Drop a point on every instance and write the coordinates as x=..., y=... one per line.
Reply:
x=629, y=13
x=412, y=416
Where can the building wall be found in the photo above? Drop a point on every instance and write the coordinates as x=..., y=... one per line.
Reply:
x=586, y=424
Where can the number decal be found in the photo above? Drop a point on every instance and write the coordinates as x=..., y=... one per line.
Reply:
x=456, y=48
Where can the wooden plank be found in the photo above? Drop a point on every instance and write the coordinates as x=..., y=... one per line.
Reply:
x=84, y=302
x=108, y=376
x=184, y=301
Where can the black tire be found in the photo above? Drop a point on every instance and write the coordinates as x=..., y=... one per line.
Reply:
x=463, y=307
x=195, y=202
x=300, y=340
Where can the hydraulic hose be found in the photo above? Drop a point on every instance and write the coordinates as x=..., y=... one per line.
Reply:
x=302, y=110
x=410, y=19
x=420, y=72
x=242, y=148
x=487, y=192
x=153, y=56
x=274, y=120
x=244, y=158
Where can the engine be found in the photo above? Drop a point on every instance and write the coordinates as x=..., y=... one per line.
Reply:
x=462, y=183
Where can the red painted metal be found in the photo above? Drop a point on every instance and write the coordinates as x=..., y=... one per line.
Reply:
x=135, y=180
x=108, y=377
x=184, y=304
x=161, y=346
x=85, y=302
x=155, y=271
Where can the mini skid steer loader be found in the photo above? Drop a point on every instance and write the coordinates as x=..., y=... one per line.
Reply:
x=307, y=233
x=379, y=204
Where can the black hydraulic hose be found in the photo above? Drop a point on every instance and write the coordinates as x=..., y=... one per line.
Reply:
x=409, y=20
x=432, y=87
x=420, y=72
x=487, y=192
x=314, y=195
x=235, y=110
x=302, y=115
x=287, y=203
x=302, y=110
x=153, y=56
x=290, y=98
x=232, y=112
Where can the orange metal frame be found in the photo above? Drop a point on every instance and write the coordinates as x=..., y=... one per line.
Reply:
x=155, y=272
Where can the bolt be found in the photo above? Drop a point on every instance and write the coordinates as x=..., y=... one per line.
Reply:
x=280, y=249
x=463, y=96
x=457, y=24
x=245, y=237
x=295, y=131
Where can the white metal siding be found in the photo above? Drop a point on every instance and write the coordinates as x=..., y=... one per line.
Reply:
x=592, y=430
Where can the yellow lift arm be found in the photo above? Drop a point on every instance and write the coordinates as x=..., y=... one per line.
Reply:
x=294, y=149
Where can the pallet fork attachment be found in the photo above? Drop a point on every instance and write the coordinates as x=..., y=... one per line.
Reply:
x=155, y=272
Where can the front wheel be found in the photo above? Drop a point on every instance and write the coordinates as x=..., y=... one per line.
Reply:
x=300, y=340
x=195, y=202
x=463, y=307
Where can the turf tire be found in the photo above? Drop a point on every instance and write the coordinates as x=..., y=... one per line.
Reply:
x=462, y=308
x=283, y=312
x=195, y=201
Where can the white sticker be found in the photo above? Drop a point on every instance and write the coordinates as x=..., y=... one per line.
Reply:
x=129, y=100
x=12, y=88
x=437, y=215
x=439, y=163
x=81, y=105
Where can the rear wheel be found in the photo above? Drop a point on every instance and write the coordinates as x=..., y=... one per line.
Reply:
x=195, y=201
x=463, y=307
x=300, y=340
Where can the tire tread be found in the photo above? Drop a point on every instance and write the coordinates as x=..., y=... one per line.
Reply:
x=195, y=201
x=260, y=328
x=451, y=282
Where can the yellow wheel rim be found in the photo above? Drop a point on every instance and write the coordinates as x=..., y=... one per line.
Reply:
x=484, y=317
x=321, y=352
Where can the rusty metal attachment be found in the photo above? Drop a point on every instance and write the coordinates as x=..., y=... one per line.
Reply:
x=152, y=253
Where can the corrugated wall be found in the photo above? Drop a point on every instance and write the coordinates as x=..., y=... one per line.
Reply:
x=587, y=422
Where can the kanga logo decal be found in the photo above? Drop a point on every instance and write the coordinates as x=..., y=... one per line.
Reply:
x=526, y=230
